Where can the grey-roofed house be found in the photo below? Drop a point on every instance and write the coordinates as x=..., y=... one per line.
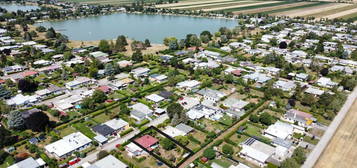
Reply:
x=235, y=104
x=210, y=94
x=29, y=163
x=108, y=162
x=184, y=128
x=137, y=115
x=101, y=139
x=103, y=130
x=165, y=94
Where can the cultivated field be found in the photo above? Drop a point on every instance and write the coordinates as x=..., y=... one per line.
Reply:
x=342, y=150
x=312, y=10
x=267, y=9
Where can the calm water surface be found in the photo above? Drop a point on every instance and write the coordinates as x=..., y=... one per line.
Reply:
x=16, y=7
x=136, y=26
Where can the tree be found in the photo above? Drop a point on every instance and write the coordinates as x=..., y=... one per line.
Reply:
x=67, y=55
x=167, y=40
x=348, y=83
x=6, y=138
x=27, y=36
x=167, y=144
x=207, y=34
x=102, y=154
x=27, y=85
x=51, y=33
x=308, y=99
x=227, y=149
x=93, y=72
x=289, y=163
x=124, y=109
x=15, y=120
x=183, y=140
x=104, y=46
x=254, y=118
x=354, y=55
x=111, y=69
x=266, y=118
x=137, y=56
x=174, y=108
x=3, y=155
x=37, y=122
x=209, y=153
x=99, y=96
x=120, y=43
x=283, y=45
x=299, y=155
x=147, y=43
x=324, y=71
x=40, y=29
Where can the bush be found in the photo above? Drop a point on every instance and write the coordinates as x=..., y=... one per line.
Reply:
x=126, y=132
x=227, y=149
x=209, y=153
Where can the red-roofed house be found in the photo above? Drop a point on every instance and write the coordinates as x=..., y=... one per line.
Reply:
x=104, y=88
x=28, y=73
x=2, y=81
x=236, y=72
x=147, y=142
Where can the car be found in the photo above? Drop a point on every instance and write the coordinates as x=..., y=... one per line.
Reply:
x=74, y=161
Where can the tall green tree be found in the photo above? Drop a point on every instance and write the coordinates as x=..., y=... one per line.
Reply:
x=104, y=46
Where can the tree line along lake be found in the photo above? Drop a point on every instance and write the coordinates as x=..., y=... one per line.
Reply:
x=136, y=26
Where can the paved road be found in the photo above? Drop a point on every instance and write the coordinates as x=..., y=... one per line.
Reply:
x=236, y=126
x=315, y=154
x=112, y=145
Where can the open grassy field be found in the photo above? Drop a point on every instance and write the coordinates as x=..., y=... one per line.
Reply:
x=268, y=9
x=342, y=149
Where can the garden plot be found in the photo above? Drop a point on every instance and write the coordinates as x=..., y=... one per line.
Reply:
x=240, y=6
x=312, y=10
x=267, y=9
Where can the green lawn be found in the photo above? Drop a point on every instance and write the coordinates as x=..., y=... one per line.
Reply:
x=8, y=162
x=84, y=130
x=101, y=118
x=66, y=131
x=223, y=163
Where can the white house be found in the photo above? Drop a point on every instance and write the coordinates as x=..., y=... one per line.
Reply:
x=29, y=163
x=279, y=130
x=256, y=152
x=285, y=85
x=211, y=95
x=235, y=104
x=68, y=144
x=108, y=162
x=79, y=82
x=326, y=82
x=140, y=72
x=188, y=84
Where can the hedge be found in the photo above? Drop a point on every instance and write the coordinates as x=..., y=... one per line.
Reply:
x=126, y=132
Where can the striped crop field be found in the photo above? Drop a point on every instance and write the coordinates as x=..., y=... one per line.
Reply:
x=312, y=4
x=331, y=13
x=215, y=5
x=308, y=11
x=268, y=9
x=252, y=6
x=191, y=3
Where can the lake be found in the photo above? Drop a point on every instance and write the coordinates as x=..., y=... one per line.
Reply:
x=136, y=26
x=16, y=7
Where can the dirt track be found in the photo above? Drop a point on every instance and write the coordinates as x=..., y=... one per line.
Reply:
x=342, y=149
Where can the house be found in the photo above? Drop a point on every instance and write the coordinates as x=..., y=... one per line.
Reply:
x=211, y=95
x=211, y=54
x=184, y=128
x=166, y=94
x=301, y=77
x=26, y=114
x=314, y=91
x=29, y=163
x=200, y=111
x=140, y=111
x=279, y=130
x=124, y=63
x=79, y=82
x=158, y=78
x=108, y=162
x=326, y=82
x=140, y=72
x=21, y=100
x=301, y=118
x=148, y=142
x=134, y=150
x=188, y=85
x=166, y=58
x=179, y=130
x=235, y=104
x=103, y=130
x=155, y=98
x=257, y=77
x=68, y=144
x=117, y=125
x=104, y=89
x=257, y=152
x=42, y=62
x=51, y=90
x=285, y=85
x=101, y=139
x=13, y=69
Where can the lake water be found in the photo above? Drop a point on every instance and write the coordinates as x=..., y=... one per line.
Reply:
x=136, y=26
x=16, y=7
